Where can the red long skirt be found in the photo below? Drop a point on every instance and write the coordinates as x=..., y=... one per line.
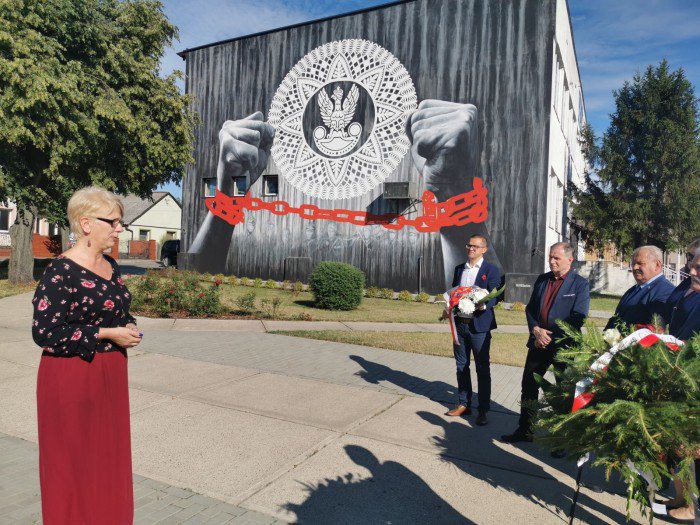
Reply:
x=85, y=440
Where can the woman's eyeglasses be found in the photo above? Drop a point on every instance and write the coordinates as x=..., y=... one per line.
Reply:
x=114, y=223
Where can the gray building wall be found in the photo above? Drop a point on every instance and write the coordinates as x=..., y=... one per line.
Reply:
x=494, y=54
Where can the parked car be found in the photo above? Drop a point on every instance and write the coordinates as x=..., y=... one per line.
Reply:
x=168, y=253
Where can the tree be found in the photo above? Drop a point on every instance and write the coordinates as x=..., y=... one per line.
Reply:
x=645, y=183
x=81, y=103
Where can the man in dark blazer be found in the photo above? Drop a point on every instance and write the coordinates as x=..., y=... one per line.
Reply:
x=683, y=305
x=474, y=333
x=558, y=295
x=648, y=297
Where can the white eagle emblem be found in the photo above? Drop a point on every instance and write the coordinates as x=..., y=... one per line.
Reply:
x=337, y=115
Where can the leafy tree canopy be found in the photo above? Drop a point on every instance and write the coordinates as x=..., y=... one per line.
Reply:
x=645, y=183
x=81, y=101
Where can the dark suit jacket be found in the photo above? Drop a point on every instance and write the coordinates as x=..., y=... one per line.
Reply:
x=691, y=326
x=570, y=305
x=488, y=277
x=643, y=306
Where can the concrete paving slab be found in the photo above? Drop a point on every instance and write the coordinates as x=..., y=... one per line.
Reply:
x=18, y=401
x=357, y=480
x=147, y=324
x=21, y=352
x=436, y=328
x=316, y=403
x=173, y=375
x=218, y=325
x=272, y=326
x=142, y=399
x=217, y=451
x=420, y=423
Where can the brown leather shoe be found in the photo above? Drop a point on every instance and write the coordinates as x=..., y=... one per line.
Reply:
x=459, y=410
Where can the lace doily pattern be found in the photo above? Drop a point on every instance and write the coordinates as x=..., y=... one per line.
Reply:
x=350, y=174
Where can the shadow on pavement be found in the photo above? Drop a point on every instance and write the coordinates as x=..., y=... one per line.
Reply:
x=504, y=467
x=438, y=391
x=465, y=446
x=391, y=494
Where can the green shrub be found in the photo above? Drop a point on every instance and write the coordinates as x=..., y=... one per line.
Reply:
x=386, y=293
x=422, y=297
x=245, y=281
x=518, y=307
x=271, y=284
x=257, y=283
x=178, y=294
x=337, y=286
x=372, y=292
x=405, y=295
x=271, y=307
x=246, y=302
x=286, y=284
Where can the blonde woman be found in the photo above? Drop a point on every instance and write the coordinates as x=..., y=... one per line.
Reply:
x=82, y=323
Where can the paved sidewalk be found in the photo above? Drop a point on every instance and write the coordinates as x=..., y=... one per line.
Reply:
x=300, y=431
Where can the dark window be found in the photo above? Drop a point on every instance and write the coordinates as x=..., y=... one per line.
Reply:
x=240, y=186
x=270, y=185
x=4, y=220
x=143, y=235
x=209, y=187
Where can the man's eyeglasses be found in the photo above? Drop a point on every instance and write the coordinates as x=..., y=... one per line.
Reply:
x=475, y=246
x=114, y=223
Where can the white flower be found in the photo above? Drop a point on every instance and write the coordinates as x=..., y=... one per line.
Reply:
x=465, y=306
x=479, y=294
x=612, y=336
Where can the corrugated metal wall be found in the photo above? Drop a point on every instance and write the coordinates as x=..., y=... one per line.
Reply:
x=495, y=54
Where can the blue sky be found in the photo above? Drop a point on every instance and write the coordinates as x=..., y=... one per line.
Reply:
x=614, y=38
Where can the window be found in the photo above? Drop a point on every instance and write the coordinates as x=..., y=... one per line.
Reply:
x=144, y=234
x=240, y=186
x=37, y=225
x=209, y=187
x=4, y=220
x=270, y=185
x=169, y=235
x=55, y=229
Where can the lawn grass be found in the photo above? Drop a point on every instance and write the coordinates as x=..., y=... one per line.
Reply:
x=378, y=310
x=604, y=302
x=7, y=289
x=506, y=349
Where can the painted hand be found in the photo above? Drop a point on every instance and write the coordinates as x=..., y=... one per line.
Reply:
x=244, y=147
x=444, y=145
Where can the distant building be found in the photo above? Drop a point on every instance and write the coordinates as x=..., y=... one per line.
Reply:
x=145, y=220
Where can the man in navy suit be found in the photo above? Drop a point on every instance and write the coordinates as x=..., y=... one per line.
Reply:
x=648, y=297
x=558, y=295
x=683, y=305
x=474, y=333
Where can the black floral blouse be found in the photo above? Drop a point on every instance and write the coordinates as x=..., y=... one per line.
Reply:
x=72, y=303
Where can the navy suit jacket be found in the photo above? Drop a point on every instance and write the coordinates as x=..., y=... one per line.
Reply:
x=691, y=326
x=570, y=305
x=644, y=305
x=488, y=277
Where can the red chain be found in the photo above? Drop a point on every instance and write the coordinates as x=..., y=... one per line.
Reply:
x=459, y=210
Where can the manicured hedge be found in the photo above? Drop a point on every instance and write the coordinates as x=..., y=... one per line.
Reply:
x=337, y=286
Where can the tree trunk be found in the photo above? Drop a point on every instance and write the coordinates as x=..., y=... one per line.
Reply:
x=21, y=268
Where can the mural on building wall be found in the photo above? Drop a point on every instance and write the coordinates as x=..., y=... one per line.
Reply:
x=340, y=123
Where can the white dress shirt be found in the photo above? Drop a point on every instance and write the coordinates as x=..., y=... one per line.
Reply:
x=469, y=273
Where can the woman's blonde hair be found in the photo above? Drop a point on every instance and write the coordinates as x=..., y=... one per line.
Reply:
x=91, y=202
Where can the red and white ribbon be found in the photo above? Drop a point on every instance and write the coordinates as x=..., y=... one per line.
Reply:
x=643, y=337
